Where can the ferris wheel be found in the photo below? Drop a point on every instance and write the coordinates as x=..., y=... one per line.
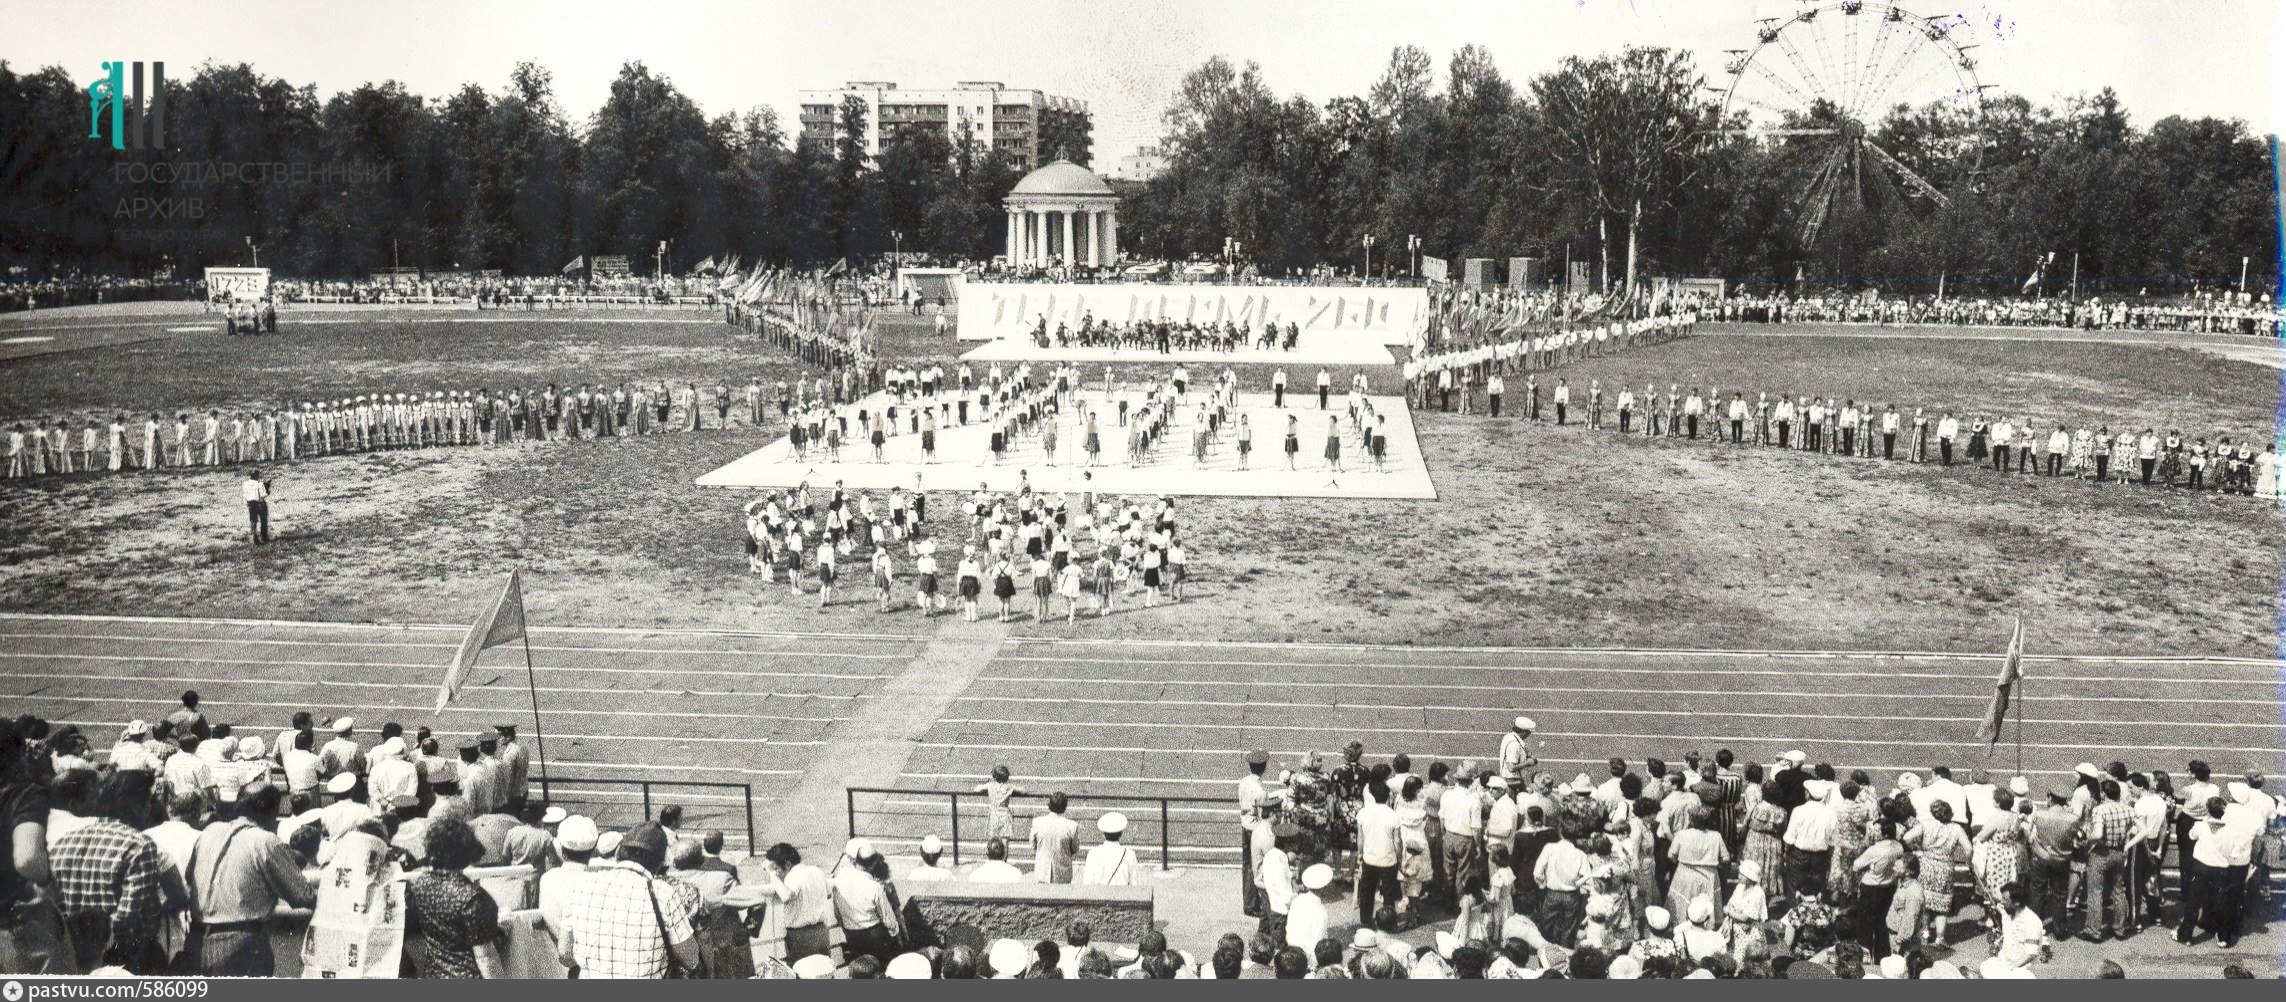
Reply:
x=1818, y=82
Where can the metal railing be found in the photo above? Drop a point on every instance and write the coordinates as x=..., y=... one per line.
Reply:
x=1192, y=830
x=622, y=804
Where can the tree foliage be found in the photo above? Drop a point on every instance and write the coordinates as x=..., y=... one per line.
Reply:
x=1556, y=166
x=479, y=178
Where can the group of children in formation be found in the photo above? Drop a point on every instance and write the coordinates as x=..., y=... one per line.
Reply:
x=1016, y=543
x=1026, y=407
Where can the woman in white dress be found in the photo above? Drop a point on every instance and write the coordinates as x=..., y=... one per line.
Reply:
x=2266, y=473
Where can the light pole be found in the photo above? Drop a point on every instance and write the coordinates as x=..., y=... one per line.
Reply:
x=1367, y=274
x=1413, y=255
x=659, y=269
x=254, y=251
x=897, y=243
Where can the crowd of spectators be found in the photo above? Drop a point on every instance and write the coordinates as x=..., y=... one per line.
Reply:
x=49, y=293
x=187, y=848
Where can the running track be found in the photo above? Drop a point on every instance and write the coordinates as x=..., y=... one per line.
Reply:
x=1127, y=719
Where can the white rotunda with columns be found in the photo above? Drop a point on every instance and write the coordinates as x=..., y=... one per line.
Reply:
x=1062, y=214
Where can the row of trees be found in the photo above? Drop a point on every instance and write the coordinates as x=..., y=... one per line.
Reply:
x=1622, y=161
x=379, y=176
x=1619, y=161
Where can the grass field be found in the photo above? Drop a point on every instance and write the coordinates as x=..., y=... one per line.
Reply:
x=1544, y=536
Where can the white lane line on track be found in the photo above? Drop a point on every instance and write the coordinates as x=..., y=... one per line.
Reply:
x=423, y=686
x=389, y=708
x=407, y=664
x=1504, y=713
x=655, y=739
x=1479, y=735
x=1677, y=652
x=1598, y=690
x=319, y=624
x=452, y=646
x=1601, y=670
x=1235, y=644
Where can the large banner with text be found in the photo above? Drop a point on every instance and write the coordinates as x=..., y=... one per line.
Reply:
x=242, y=284
x=1386, y=315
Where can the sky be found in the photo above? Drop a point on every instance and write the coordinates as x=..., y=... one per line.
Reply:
x=1123, y=57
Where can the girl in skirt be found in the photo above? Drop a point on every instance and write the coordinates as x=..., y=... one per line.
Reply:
x=971, y=583
x=1293, y=440
x=883, y=570
x=800, y=440
x=1003, y=585
x=1094, y=440
x=928, y=436
x=1333, y=444
x=1380, y=443
x=1043, y=585
x=793, y=551
x=925, y=593
x=825, y=574
x=1099, y=580
x=1068, y=585
x=880, y=435
x=1153, y=576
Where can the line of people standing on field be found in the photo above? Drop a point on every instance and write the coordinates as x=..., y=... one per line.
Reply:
x=390, y=421
x=1845, y=427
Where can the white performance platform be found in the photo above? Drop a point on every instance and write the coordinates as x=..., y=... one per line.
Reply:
x=964, y=457
x=1343, y=352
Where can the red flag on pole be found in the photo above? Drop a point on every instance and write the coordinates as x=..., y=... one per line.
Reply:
x=2003, y=689
x=501, y=623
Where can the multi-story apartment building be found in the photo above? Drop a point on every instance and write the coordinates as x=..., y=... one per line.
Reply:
x=1032, y=127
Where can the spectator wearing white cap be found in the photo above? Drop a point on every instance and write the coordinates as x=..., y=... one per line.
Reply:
x=341, y=754
x=346, y=809
x=909, y=967
x=131, y=754
x=1008, y=959
x=1306, y=920
x=575, y=846
x=392, y=783
x=1515, y=751
x=862, y=905
x=1110, y=864
x=932, y=850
